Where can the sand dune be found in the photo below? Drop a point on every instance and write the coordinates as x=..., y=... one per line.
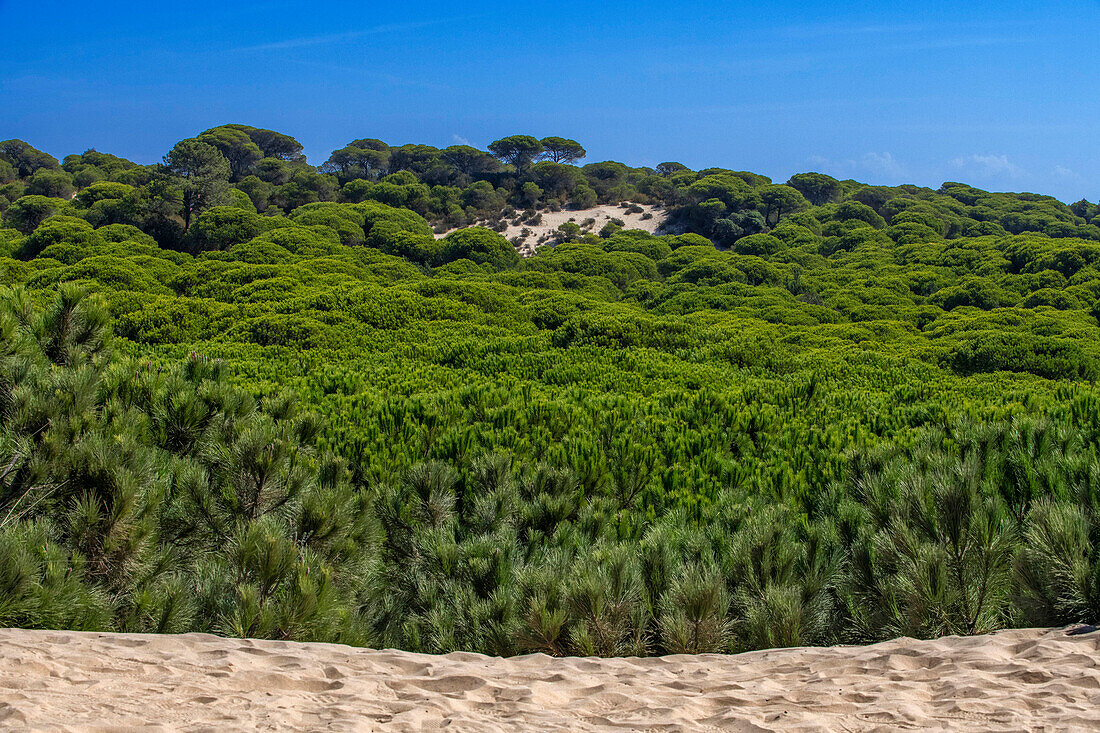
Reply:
x=529, y=236
x=1009, y=681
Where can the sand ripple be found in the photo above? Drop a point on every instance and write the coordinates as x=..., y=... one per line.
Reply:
x=1009, y=681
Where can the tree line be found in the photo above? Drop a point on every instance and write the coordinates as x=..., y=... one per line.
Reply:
x=265, y=171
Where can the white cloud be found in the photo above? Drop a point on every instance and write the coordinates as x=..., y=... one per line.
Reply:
x=1062, y=172
x=948, y=43
x=332, y=38
x=832, y=30
x=884, y=163
x=459, y=140
x=874, y=166
x=987, y=166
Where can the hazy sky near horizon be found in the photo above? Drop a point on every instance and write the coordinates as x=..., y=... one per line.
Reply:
x=1000, y=95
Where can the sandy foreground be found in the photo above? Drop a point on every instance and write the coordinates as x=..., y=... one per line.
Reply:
x=1009, y=681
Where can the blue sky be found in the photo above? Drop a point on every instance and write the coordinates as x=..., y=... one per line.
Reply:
x=1000, y=95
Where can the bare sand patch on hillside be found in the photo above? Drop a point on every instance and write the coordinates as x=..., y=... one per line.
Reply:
x=533, y=235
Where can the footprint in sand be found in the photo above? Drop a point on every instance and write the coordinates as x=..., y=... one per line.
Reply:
x=453, y=683
x=289, y=684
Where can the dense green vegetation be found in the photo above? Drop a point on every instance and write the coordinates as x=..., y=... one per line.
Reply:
x=244, y=395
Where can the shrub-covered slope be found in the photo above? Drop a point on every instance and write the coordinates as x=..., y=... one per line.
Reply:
x=243, y=395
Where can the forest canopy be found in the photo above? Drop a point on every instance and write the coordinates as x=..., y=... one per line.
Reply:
x=246, y=395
